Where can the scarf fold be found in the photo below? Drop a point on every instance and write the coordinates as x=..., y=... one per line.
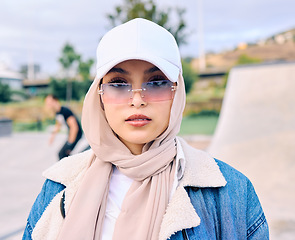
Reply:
x=152, y=171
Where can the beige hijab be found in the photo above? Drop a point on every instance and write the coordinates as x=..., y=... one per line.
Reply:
x=153, y=172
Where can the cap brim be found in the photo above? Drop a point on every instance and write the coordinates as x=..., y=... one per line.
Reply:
x=170, y=70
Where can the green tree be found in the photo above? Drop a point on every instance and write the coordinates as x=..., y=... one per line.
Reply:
x=147, y=9
x=5, y=93
x=67, y=59
x=57, y=87
x=79, y=89
x=84, y=69
x=189, y=75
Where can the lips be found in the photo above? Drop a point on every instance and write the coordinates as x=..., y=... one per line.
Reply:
x=138, y=120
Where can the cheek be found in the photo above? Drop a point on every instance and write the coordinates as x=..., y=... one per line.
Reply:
x=112, y=115
x=163, y=113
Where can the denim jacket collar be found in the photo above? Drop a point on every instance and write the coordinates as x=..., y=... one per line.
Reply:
x=201, y=170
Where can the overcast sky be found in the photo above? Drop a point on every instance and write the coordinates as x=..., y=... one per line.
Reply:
x=38, y=29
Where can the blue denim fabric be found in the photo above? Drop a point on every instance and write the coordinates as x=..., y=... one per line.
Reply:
x=49, y=190
x=231, y=212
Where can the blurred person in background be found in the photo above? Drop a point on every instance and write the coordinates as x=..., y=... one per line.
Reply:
x=139, y=180
x=64, y=115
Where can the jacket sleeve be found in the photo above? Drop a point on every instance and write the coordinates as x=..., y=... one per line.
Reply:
x=49, y=190
x=257, y=227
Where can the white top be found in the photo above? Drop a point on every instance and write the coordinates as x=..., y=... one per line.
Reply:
x=117, y=194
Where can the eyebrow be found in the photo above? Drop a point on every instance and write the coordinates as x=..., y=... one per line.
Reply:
x=151, y=70
x=121, y=70
x=118, y=70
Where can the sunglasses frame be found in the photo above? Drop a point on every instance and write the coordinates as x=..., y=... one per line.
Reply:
x=173, y=89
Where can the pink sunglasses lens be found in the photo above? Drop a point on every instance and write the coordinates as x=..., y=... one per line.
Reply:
x=158, y=91
x=116, y=93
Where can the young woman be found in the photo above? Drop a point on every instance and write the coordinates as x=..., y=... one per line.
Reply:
x=140, y=181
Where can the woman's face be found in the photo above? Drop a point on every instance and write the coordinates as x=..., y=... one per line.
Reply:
x=137, y=121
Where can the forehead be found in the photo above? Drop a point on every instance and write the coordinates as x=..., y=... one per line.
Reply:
x=131, y=66
x=135, y=62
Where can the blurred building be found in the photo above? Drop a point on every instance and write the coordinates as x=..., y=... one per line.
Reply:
x=11, y=78
x=35, y=81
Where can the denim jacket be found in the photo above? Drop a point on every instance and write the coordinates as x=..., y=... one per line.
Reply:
x=212, y=201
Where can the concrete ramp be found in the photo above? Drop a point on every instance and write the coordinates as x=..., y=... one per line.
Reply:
x=256, y=135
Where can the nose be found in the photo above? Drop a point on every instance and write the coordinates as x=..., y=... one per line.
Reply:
x=137, y=100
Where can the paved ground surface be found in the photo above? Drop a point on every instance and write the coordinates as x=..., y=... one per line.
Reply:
x=23, y=157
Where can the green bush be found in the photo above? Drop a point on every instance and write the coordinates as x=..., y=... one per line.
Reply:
x=189, y=75
x=19, y=95
x=198, y=125
x=37, y=125
x=204, y=112
x=5, y=93
x=27, y=127
x=245, y=59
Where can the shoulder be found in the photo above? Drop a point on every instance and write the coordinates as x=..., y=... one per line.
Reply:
x=49, y=190
x=232, y=175
x=202, y=165
x=66, y=172
x=239, y=197
x=201, y=170
x=221, y=184
x=238, y=184
x=66, y=110
x=59, y=176
x=68, y=169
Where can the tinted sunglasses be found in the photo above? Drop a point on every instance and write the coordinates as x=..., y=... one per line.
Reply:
x=153, y=91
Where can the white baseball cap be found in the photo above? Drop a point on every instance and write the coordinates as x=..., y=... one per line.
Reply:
x=139, y=39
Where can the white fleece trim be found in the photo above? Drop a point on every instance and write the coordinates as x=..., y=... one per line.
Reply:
x=201, y=170
x=180, y=214
x=69, y=172
x=50, y=223
x=66, y=170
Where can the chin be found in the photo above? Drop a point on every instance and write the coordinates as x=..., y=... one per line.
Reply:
x=138, y=140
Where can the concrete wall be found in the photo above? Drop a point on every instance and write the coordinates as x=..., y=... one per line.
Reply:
x=256, y=135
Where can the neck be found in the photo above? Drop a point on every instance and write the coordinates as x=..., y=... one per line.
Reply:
x=136, y=151
x=134, y=148
x=57, y=107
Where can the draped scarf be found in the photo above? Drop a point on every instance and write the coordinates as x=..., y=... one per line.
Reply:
x=152, y=171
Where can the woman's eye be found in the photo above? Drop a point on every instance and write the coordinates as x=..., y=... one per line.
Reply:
x=157, y=78
x=160, y=83
x=117, y=80
x=119, y=85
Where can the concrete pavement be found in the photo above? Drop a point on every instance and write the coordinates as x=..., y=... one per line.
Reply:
x=23, y=158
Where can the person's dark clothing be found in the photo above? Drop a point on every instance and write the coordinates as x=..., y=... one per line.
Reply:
x=68, y=147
